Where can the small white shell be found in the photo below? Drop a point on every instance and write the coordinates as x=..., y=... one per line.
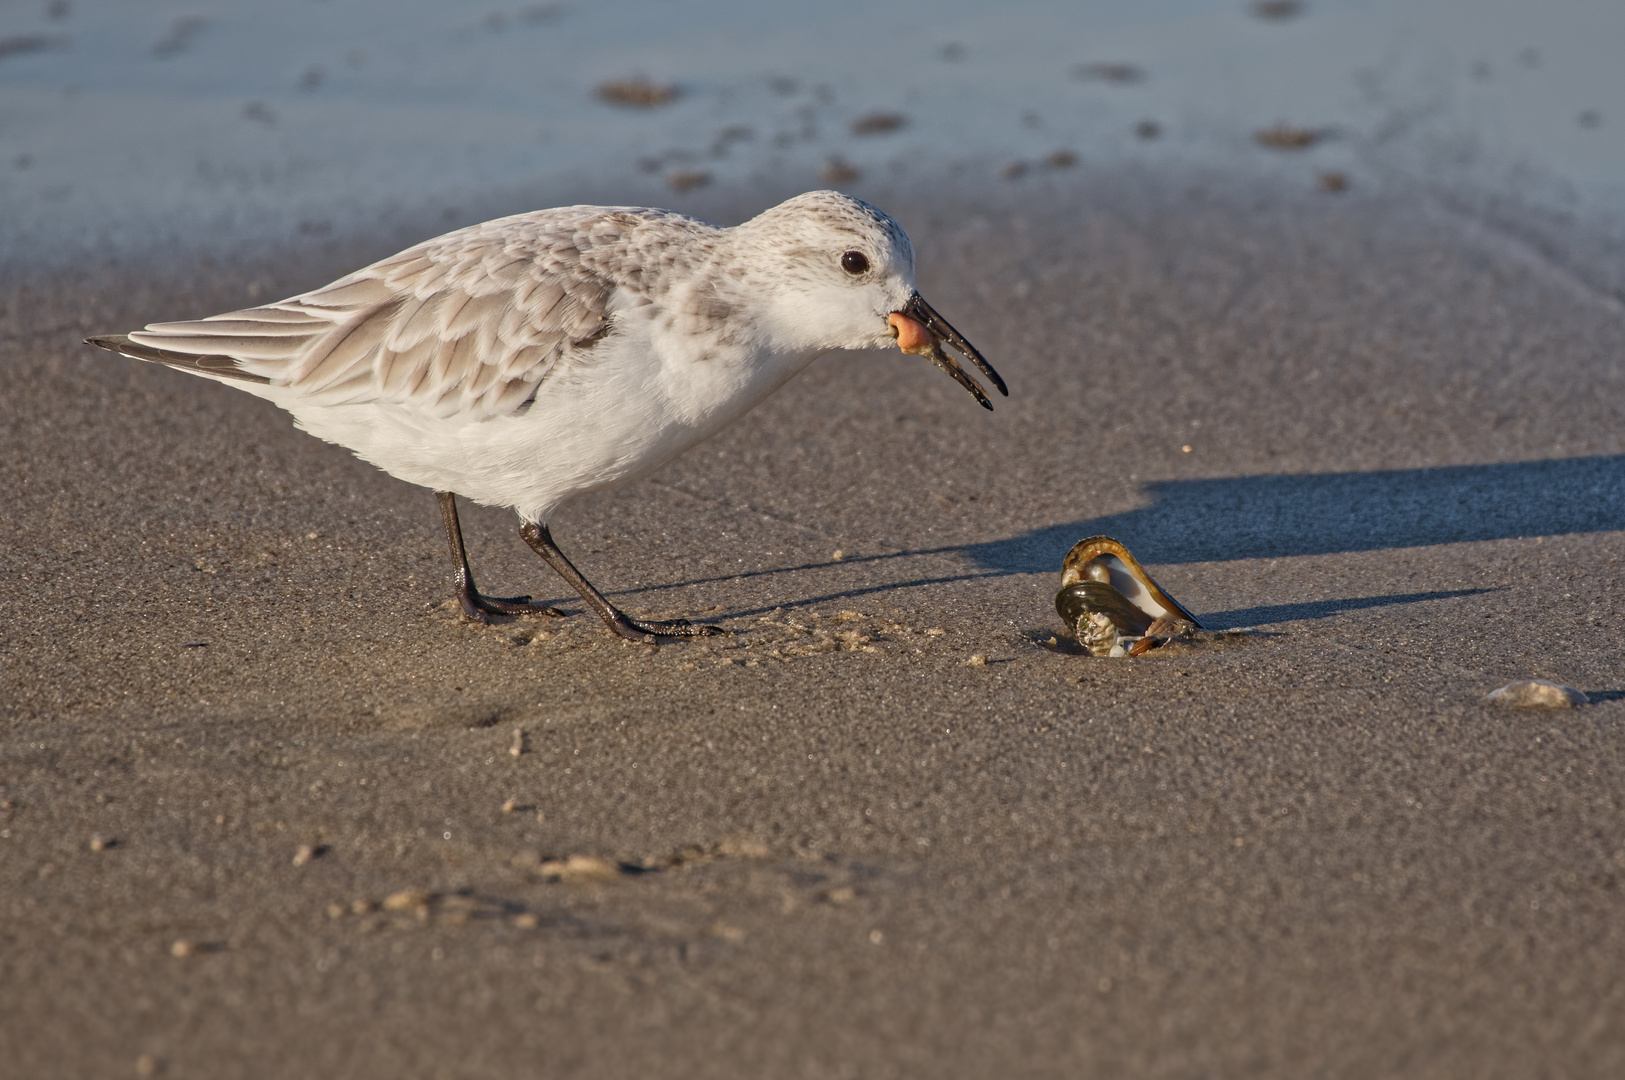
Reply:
x=1537, y=694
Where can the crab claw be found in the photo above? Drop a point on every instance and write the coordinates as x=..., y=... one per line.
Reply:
x=920, y=331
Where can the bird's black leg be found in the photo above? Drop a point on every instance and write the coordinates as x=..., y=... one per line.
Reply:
x=475, y=604
x=632, y=629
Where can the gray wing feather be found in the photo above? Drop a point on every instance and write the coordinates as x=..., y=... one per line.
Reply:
x=471, y=322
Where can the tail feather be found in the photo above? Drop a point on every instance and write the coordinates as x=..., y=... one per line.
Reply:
x=205, y=364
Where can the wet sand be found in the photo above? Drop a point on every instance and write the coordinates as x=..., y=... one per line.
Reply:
x=825, y=846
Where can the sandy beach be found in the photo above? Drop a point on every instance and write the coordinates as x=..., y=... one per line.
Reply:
x=269, y=808
x=825, y=845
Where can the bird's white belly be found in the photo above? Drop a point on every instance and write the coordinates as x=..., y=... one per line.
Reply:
x=619, y=415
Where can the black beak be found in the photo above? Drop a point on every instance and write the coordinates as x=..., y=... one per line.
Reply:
x=940, y=329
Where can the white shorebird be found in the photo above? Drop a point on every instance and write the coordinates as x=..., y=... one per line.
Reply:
x=533, y=358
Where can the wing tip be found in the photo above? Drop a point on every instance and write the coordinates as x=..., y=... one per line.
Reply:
x=223, y=367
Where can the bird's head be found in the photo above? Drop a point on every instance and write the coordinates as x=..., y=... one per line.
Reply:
x=836, y=273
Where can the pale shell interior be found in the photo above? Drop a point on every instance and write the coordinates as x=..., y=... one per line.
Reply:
x=1123, y=580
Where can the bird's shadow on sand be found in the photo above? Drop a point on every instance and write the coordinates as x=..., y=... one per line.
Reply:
x=1274, y=516
x=1261, y=517
x=1321, y=609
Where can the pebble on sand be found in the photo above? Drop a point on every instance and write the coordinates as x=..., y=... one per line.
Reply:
x=101, y=843
x=407, y=900
x=684, y=179
x=579, y=868
x=1537, y=694
x=305, y=853
x=1286, y=137
x=976, y=660
x=742, y=847
x=838, y=170
x=1276, y=10
x=146, y=1065
x=1107, y=72
x=878, y=123
x=182, y=948
x=517, y=747
x=637, y=92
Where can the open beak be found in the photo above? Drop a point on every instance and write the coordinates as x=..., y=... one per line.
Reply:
x=921, y=331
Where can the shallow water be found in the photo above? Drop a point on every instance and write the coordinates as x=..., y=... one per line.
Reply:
x=128, y=125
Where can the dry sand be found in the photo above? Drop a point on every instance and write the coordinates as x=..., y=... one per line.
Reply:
x=255, y=773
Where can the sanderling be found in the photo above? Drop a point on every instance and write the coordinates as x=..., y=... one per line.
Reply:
x=536, y=357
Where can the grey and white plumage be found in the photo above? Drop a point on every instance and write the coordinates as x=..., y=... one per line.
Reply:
x=529, y=359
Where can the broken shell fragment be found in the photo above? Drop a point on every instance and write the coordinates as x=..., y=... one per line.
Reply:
x=1538, y=694
x=1098, y=634
x=1112, y=605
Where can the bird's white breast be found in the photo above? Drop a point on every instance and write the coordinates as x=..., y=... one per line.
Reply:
x=644, y=394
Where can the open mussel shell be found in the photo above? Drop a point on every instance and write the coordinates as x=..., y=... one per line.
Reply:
x=1100, y=578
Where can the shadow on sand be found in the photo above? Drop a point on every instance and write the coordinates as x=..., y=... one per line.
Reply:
x=1320, y=609
x=1253, y=517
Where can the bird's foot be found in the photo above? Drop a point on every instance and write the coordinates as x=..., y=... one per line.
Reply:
x=480, y=608
x=648, y=630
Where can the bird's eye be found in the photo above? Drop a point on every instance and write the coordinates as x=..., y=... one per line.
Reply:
x=855, y=262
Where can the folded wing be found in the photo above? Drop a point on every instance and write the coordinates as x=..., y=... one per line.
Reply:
x=467, y=324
